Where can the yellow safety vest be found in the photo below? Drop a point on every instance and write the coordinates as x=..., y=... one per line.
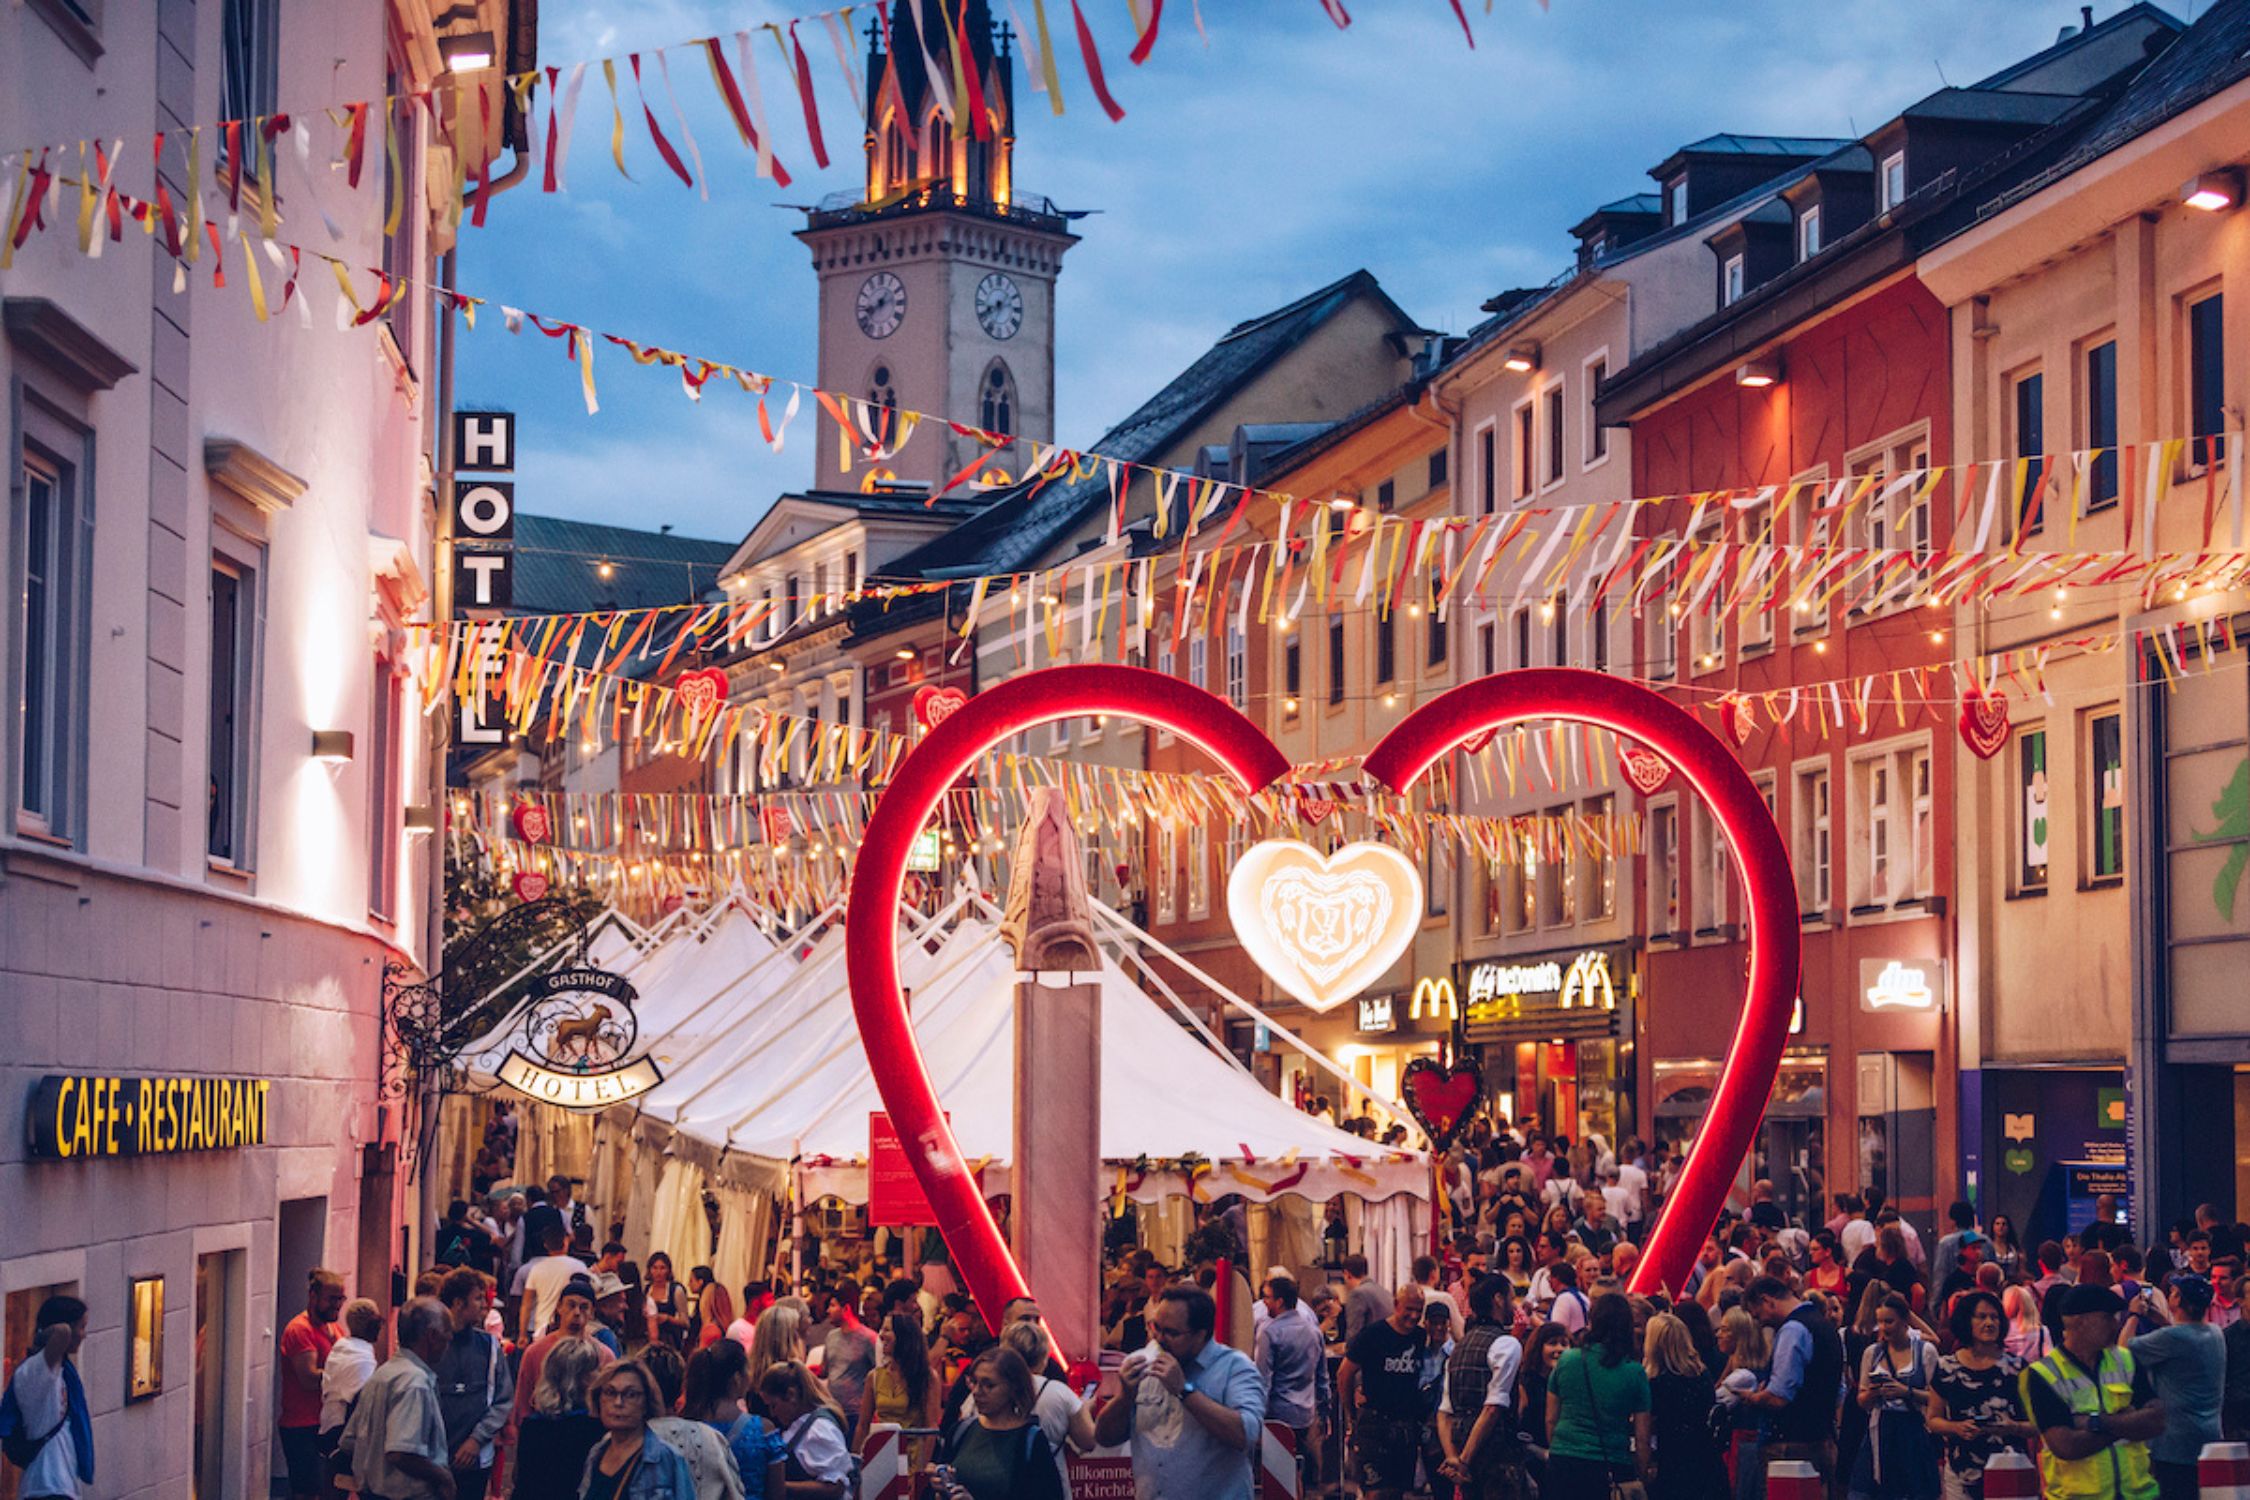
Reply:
x=2118, y=1472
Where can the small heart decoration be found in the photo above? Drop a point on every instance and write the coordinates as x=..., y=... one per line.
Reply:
x=777, y=824
x=1984, y=722
x=1324, y=926
x=1441, y=1099
x=1737, y=720
x=934, y=705
x=2019, y=1160
x=1648, y=772
x=529, y=886
x=530, y=822
x=1317, y=809
x=701, y=692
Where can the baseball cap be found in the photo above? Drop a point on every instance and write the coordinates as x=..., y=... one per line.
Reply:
x=2092, y=1299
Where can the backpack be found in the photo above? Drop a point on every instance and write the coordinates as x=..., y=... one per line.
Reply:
x=18, y=1446
x=796, y=1471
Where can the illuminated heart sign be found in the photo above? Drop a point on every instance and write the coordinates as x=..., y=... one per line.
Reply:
x=701, y=692
x=530, y=822
x=934, y=705
x=872, y=916
x=1324, y=927
x=1648, y=771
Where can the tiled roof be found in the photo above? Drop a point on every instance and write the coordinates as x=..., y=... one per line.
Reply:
x=557, y=566
x=1728, y=144
x=1024, y=523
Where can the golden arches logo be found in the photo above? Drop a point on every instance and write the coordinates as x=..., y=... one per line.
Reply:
x=1588, y=985
x=1435, y=998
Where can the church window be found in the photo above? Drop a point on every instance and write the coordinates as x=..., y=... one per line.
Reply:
x=880, y=391
x=998, y=400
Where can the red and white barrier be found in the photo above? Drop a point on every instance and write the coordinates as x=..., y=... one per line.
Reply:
x=1279, y=1478
x=882, y=1467
x=2222, y=1471
x=1792, y=1479
x=2010, y=1475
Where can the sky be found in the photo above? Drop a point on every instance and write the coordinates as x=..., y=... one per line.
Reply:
x=1277, y=157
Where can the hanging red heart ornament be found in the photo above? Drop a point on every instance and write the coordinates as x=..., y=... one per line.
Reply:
x=701, y=692
x=529, y=819
x=529, y=886
x=777, y=825
x=934, y=705
x=871, y=922
x=1440, y=1098
x=1737, y=720
x=1984, y=722
x=1648, y=772
x=1316, y=809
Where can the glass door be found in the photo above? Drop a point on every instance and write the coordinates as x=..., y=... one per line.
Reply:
x=217, y=1451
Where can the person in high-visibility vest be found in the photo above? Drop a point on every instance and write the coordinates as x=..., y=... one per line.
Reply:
x=2094, y=1407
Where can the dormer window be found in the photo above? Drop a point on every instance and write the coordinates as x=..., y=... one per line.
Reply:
x=1890, y=183
x=1675, y=194
x=1808, y=233
x=1731, y=281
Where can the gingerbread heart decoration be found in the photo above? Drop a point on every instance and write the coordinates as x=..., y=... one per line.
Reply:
x=1440, y=1098
x=1648, y=772
x=1984, y=722
x=701, y=692
x=529, y=886
x=1316, y=809
x=530, y=822
x=776, y=823
x=1324, y=926
x=934, y=705
x=1737, y=720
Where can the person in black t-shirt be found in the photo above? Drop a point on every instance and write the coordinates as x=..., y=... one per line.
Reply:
x=1380, y=1386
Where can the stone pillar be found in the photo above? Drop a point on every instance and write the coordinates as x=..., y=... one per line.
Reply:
x=1056, y=1179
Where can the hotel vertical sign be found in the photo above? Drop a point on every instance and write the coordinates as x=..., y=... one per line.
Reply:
x=484, y=546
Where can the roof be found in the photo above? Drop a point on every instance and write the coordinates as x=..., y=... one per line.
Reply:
x=1312, y=445
x=1991, y=107
x=1749, y=146
x=2077, y=40
x=558, y=563
x=1028, y=521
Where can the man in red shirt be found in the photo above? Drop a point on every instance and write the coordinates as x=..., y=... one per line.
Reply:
x=305, y=1343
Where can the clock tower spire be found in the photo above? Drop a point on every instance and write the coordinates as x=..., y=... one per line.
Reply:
x=937, y=276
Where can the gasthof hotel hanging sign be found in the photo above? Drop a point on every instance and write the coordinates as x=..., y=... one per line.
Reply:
x=576, y=1052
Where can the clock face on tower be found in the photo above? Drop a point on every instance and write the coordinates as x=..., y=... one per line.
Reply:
x=881, y=306
x=999, y=306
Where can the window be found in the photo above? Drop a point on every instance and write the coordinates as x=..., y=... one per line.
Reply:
x=1808, y=528
x=1894, y=860
x=1554, y=465
x=1815, y=846
x=1922, y=808
x=1713, y=872
x=1167, y=665
x=1676, y=193
x=1437, y=876
x=249, y=83
x=1597, y=436
x=2105, y=796
x=1707, y=621
x=1664, y=869
x=1558, y=637
x=819, y=588
x=383, y=820
x=1890, y=187
x=880, y=391
x=398, y=245
x=2029, y=408
x=1597, y=637
x=1386, y=496
x=2207, y=372
x=1752, y=562
x=1488, y=648
x=2031, y=810
x=2101, y=423
x=1439, y=642
x=1600, y=880
x=1167, y=872
x=1292, y=672
x=997, y=403
x=1487, y=474
x=1335, y=659
x=51, y=640
x=1732, y=281
x=1386, y=646
x=233, y=657
x=1808, y=233
x=1238, y=667
x=1198, y=667
x=1662, y=630
x=795, y=595
x=1523, y=638
x=1525, y=469
x=1437, y=468
x=1895, y=515
x=1558, y=875
x=1523, y=883
x=1198, y=870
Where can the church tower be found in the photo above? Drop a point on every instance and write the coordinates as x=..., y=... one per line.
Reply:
x=937, y=277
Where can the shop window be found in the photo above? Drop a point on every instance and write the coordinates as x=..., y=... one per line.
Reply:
x=2030, y=803
x=2104, y=749
x=2207, y=375
x=1749, y=574
x=1167, y=872
x=1198, y=871
x=1664, y=869
x=1600, y=878
x=1814, y=840
x=1335, y=659
x=1238, y=667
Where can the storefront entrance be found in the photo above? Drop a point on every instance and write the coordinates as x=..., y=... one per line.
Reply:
x=1790, y=1149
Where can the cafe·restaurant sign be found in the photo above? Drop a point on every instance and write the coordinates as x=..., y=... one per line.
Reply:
x=75, y=1115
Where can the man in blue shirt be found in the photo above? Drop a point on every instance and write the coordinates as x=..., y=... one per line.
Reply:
x=2187, y=1364
x=1806, y=1380
x=1193, y=1407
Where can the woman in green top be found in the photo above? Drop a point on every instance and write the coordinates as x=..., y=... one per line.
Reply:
x=1000, y=1453
x=1594, y=1391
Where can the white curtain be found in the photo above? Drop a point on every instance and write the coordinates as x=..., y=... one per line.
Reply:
x=1391, y=1233
x=1283, y=1233
x=644, y=1169
x=676, y=1224
x=745, y=1222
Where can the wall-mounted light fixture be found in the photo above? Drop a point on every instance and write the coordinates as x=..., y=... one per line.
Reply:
x=420, y=817
x=1522, y=359
x=467, y=51
x=1758, y=373
x=2213, y=192
x=332, y=745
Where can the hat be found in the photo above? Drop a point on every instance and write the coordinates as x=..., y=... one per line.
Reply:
x=607, y=1284
x=578, y=1286
x=2092, y=1299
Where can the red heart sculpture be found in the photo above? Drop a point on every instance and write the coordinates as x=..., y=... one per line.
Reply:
x=934, y=705
x=1441, y=1098
x=530, y=822
x=529, y=885
x=1242, y=749
x=1649, y=772
x=701, y=692
x=1737, y=720
x=1984, y=722
x=1479, y=740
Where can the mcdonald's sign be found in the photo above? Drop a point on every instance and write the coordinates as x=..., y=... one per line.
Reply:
x=1435, y=998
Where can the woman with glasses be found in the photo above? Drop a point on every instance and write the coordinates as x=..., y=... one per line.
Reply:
x=1000, y=1453
x=630, y=1462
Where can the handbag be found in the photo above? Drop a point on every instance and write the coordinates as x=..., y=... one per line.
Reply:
x=1619, y=1489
